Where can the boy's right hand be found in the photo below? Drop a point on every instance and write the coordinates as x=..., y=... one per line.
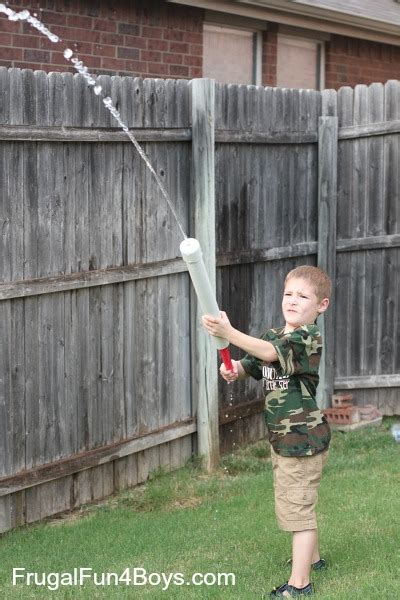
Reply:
x=229, y=376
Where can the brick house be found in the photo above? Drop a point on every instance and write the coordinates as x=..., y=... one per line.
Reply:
x=290, y=43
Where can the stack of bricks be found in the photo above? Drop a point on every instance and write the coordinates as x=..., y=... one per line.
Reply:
x=343, y=412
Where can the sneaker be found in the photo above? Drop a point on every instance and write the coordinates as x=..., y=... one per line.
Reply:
x=292, y=590
x=320, y=565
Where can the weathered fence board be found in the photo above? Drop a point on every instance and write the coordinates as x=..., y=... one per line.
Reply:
x=96, y=310
x=327, y=216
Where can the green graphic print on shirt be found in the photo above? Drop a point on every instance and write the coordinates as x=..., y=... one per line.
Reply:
x=296, y=426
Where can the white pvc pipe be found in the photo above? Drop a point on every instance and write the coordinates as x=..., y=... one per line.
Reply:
x=193, y=257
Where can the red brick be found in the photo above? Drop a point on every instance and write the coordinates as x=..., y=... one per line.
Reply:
x=136, y=66
x=150, y=17
x=107, y=10
x=72, y=6
x=78, y=21
x=53, y=18
x=173, y=59
x=37, y=56
x=152, y=32
x=25, y=41
x=57, y=58
x=111, y=39
x=13, y=27
x=91, y=61
x=123, y=11
x=35, y=66
x=344, y=416
x=78, y=47
x=128, y=28
x=135, y=42
x=7, y=40
x=341, y=400
x=91, y=8
x=368, y=412
x=78, y=35
x=193, y=61
x=192, y=37
x=157, y=69
x=100, y=50
x=105, y=25
x=196, y=72
x=196, y=50
x=178, y=71
x=157, y=44
x=131, y=53
x=179, y=47
x=150, y=55
x=114, y=64
x=11, y=53
x=173, y=34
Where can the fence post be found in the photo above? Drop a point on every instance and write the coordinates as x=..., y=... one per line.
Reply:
x=327, y=207
x=204, y=356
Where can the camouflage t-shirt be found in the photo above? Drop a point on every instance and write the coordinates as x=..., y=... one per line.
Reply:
x=296, y=426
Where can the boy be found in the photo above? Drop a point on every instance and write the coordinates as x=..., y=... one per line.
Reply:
x=287, y=359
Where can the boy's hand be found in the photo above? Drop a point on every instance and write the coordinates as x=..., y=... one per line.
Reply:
x=229, y=376
x=219, y=326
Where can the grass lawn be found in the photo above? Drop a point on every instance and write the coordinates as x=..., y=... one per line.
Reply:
x=189, y=522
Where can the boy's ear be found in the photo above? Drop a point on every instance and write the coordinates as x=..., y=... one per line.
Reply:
x=323, y=305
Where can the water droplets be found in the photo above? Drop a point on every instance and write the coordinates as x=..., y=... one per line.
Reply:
x=24, y=15
x=21, y=16
x=68, y=53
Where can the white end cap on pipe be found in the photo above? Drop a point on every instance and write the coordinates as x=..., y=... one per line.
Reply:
x=193, y=257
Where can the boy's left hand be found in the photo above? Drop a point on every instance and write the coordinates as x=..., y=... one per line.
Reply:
x=219, y=326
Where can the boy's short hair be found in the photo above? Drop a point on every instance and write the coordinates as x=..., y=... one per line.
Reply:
x=320, y=281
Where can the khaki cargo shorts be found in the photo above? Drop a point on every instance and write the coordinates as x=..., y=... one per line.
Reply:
x=296, y=482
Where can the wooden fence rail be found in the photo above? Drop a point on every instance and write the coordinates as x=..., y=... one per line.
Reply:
x=105, y=372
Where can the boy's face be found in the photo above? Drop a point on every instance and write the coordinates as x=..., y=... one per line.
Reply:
x=300, y=304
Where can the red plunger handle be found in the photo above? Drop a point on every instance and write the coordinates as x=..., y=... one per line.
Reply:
x=226, y=357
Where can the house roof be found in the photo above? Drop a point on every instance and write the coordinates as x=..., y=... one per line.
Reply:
x=376, y=20
x=387, y=11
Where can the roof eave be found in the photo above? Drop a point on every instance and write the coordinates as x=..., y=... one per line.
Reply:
x=292, y=6
x=291, y=13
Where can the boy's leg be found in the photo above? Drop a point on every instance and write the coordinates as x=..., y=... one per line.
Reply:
x=296, y=482
x=316, y=555
x=304, y=544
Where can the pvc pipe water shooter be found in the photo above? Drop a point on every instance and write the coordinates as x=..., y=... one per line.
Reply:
x=193, y=257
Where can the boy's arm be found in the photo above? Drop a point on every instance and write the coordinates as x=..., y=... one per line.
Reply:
x=241, y=372
x=256, y=347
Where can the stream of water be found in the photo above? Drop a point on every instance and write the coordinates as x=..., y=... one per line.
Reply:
x=24, y=15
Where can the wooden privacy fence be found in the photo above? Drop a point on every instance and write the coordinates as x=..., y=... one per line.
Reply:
x=103, y=363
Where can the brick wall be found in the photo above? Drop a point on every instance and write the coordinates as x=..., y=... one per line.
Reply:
x=269, y=56
x=350, y=61
x=143, y=37
x=152, y=39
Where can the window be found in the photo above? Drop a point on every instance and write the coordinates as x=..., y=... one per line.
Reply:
x=300, y=63
x=231, y=54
